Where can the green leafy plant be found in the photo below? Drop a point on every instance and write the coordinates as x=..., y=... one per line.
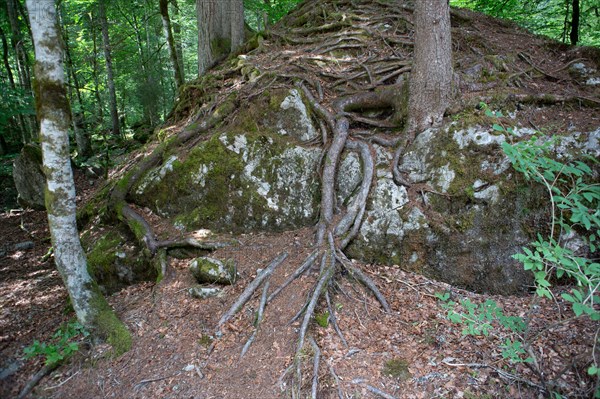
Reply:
x=62, y=344
x=479, y=319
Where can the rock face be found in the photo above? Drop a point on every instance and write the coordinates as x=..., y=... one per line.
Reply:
x=29, y=177
x=461, y=221
x=236, y=182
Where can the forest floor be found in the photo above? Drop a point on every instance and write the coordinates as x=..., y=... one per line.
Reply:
x=412, y=352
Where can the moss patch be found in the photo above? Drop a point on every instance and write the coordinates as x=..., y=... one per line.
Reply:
x=107, y=325
x=397, y=368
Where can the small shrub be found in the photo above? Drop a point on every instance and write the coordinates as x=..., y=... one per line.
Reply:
x=62, y=344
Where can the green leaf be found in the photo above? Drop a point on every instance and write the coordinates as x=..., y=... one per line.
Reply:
x=568, y=297
x=497, y=127
x=578, y=308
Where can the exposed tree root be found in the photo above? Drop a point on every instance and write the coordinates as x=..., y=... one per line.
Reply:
x=249, y=291
x=259, y=316
x=37, y=377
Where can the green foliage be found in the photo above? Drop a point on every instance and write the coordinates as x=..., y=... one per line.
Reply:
x=546, y=17
x=62, y=344
x=273, y=9
x=479, y=319
x=13, y=102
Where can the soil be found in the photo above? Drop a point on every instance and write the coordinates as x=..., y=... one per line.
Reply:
x=414, y=351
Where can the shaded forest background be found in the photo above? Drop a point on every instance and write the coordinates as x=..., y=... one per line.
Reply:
x=143, y=76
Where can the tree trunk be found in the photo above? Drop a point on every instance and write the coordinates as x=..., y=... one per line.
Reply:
x=100, y=108
x=177, y=38
x=114, y=115
x=82, y=138
x=220, y=30
x=574, y=35
x=23, y=66
x=166, y=21
x=52, y=108
x=430, y=83
x=11, y=79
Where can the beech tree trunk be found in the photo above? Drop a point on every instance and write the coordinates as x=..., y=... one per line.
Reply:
x=52, y=108
x=114, y=115
x=430, y=85
x=166, y=21
x=220, y=30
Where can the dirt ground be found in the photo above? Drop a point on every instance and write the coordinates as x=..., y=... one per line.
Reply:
x=174, y=332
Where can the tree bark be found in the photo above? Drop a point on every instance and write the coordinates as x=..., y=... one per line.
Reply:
x=114, y=115
x=220, y=30
x=52, y=108
x=430, y=85
x=166, y=21
x=574, y=35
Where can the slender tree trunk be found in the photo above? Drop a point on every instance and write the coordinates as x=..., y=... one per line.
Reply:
x=114, y=114
x=574, y=36
x=52, y=106
x=19, y=121
x=220, y=30
x=430, y=85
x=23, y=66
x=166, y=21
x=100, y=108
x=11, y=79
x=82, y=139
x=177, y=38
x=566, y=21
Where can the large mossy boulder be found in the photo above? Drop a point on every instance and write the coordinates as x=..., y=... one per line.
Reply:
x=257, y=175
x=467, y=214
x=29, y=177
x=464, y=217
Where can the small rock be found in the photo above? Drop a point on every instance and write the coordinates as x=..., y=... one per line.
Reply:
x=205, y=292
x=209, y=270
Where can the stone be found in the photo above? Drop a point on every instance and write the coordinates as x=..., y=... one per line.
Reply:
x=29, y=177
x=294, y=118
x=213, y=271
x=201, y=292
